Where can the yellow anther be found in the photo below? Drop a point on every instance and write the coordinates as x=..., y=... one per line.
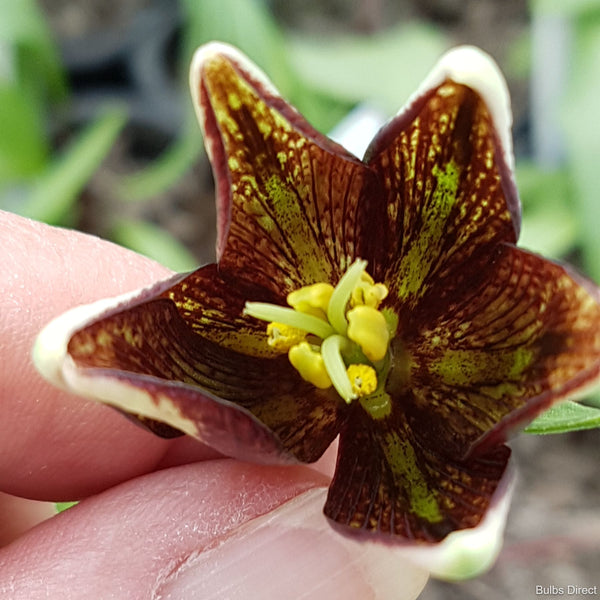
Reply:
x=368, y=293
x=309, y=363
x=283, y=337
x=368, y=328
x=363, y=379
x=311, y=299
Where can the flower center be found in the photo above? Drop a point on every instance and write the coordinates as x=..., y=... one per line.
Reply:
x=334, y=336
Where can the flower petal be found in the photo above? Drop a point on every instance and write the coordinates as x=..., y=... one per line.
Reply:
x=175, y=357
x=469, y=552
x=504, y=351
x=288, y=197
x=388, y=481
x=445, y=164
x=213, y=308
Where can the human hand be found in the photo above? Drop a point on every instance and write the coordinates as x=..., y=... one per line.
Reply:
x=158, y=518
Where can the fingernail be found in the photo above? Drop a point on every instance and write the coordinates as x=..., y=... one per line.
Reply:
x=292, y=552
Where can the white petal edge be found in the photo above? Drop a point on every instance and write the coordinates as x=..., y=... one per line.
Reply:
x=478, y=70
x=203, y=55
x=470, y=552
x=52, y=361
x=50, y=348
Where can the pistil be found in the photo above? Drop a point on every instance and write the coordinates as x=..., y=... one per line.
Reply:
x=289, y=317
x=336, y=311
x=331, y=350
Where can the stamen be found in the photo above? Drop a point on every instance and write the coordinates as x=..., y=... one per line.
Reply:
x=363, y=379
x=368, y=293
x=312, y=299
x=310, y=364
x=288, y=316
x=282, y=337
x=334, y=363
x=368, y=328
x=336, y=312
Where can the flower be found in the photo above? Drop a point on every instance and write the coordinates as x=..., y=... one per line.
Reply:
x=383, y=300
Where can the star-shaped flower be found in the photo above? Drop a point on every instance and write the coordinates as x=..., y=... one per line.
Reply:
x=381, y=300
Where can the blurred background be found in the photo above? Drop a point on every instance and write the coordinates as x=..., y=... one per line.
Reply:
x=97, y=133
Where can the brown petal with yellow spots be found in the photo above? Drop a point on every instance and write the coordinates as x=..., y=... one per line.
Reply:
x=388, y=481
x=213, y=308
x=188, y=344
x=288, y=197
x=448, y=193
x=503, y=352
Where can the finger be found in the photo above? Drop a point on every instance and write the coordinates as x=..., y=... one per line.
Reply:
x=208, y=531
x=53, y=445
x=293, y=552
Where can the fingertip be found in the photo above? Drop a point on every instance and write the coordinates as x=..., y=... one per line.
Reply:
x=141, y=530
x=292, y=552
x=53, y=445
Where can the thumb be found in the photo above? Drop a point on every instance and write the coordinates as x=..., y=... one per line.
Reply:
x=210, y=530
x=292, y=552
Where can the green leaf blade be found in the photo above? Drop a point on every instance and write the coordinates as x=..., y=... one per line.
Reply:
x=565, y=417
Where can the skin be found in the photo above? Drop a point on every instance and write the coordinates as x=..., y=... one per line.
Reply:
x=166, y=519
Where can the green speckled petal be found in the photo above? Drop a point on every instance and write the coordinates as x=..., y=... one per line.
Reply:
x=213, y=308
x=288, y=197
x=448, y=193
x=503, y=351
x=388, y=481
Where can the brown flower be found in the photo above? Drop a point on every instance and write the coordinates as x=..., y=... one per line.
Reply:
x=402, y=317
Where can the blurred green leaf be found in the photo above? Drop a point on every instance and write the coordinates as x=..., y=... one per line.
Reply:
x=248, y=25
x=552, y=232
x=539, y=187
x=564, y=417
x=517, y=61
x=23, y=25
x=30, y=75
x=382, y=69
x=593, y=400
x=53, y=195
x=23, y=147
x=163, y=172
x=562, y=7
x=62, y=506
x=582, y=136
x=323, y=112
x=550, y=225
x=154, y=242
x=33, y=54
